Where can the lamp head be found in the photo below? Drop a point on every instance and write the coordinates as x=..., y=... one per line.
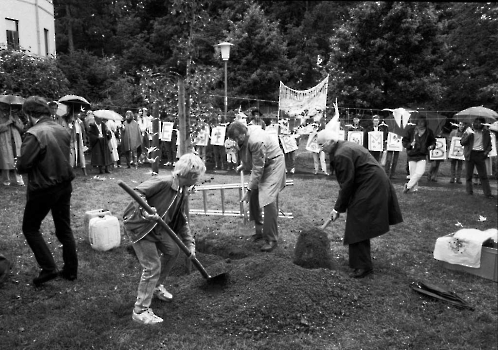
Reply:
x=225, y=50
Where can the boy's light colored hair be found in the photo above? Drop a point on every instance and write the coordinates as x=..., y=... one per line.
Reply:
x=189, y=163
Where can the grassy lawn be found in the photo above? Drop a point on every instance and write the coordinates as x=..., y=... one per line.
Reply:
x=269, y=303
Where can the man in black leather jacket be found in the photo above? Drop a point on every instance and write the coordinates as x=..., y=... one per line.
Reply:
x=45, y=158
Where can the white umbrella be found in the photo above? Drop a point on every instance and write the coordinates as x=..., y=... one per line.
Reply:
x=468, y=115
x=108, y=114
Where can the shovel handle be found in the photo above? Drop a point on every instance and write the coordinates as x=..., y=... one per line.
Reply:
x=168, y=229
x=243, y=206
x=324, y=226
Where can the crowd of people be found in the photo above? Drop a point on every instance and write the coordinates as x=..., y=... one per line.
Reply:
x=47, y=147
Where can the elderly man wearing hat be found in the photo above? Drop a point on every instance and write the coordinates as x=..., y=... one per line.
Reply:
x=45, y=158
x=365, y=193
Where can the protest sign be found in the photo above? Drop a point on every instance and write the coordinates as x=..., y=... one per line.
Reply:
x=218, y=135
x=439, y=152
x=375, y=141
x=288, y=143
x=202, y=137
x=394, y=142
x=311, y=145
x=356, y=137
x=456, y=149
x=166, y=131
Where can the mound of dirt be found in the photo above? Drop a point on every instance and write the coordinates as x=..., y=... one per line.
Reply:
x=268, y=295
x=312, y=249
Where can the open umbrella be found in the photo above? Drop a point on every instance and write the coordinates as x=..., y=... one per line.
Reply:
x=468, y=115
x=399, y=120
x=108, y=114
x=12, y=100
x=74, y=99
x=77, y=103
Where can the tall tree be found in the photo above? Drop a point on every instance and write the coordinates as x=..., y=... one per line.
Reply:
x=309, y=41
x=258, y=60
x=472, y=67
x=388, y=54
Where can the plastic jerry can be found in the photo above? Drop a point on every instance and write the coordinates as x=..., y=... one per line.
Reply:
x=104, y=232
x=92, y=214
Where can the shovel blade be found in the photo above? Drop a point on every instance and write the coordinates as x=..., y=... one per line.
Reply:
x=245, y=229
x=218, y=280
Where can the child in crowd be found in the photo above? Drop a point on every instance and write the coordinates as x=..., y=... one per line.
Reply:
x=231, y=149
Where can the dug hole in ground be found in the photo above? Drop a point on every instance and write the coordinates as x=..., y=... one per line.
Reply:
x=267, y=293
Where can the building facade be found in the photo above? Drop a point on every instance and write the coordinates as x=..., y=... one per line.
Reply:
x=28, y=25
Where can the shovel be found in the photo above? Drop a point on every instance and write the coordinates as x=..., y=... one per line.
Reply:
x=219, y=278
x=324, y=226
x=244, y=228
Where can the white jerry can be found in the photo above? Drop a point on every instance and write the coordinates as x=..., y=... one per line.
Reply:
x=90, y=215
x=104, y=232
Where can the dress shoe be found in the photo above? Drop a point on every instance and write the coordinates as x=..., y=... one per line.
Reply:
x=490, y=196
x=256, y=237
x=70, y=276
x=45, y=276
x=361, y=273
x=269, y=246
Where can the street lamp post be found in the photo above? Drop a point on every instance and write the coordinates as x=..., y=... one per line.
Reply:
x=225, y=55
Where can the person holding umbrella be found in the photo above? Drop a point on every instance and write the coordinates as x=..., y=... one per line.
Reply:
x=76, y=129
x=99, y=136
x=476, y=142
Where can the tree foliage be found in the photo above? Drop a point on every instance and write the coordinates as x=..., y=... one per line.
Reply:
x=472, y=69
x=26, y=75
x=377, y=54
x=259, y=55
x=388, y=54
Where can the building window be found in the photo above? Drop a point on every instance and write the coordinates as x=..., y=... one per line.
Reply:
x=12, y=33
x=46, y=41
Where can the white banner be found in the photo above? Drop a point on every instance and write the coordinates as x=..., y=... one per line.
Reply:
x=304, y=103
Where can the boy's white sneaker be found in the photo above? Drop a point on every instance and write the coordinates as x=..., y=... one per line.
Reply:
x=146, y=317
x=162, y=294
